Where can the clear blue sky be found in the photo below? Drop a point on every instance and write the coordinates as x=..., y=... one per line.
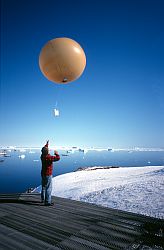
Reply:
x=119, y=99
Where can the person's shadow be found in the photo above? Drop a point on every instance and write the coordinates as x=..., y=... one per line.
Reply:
x=27, y=202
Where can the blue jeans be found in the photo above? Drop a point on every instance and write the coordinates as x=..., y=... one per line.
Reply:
x=46, y=188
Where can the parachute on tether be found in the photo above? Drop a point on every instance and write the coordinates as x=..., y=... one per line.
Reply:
x=56, y=112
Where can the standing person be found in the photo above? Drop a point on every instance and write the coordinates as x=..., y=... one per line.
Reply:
x=46, y=173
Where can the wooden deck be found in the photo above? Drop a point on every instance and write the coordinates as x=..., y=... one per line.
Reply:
x=27, y=224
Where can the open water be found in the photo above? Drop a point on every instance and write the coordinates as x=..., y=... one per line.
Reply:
x=18, y=174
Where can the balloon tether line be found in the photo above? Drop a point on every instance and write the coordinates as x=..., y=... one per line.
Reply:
x=58, y=90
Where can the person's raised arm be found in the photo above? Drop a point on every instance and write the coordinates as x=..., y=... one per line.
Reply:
x=56, y=156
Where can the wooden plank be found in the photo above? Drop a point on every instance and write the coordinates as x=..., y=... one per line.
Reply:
x=12, y=239
x=71, y=225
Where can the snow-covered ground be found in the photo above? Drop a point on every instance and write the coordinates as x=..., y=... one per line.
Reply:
x=135, y=189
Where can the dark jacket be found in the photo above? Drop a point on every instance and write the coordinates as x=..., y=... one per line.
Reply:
x=47, y=163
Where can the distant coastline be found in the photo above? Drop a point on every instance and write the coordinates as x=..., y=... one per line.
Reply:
x=84, y=149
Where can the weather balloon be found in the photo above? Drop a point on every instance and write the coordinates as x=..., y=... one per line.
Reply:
x=62, y=60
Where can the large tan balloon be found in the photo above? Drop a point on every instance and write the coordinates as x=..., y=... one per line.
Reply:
x=62, y=60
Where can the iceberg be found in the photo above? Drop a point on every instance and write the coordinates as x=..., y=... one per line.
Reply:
x=21, y=156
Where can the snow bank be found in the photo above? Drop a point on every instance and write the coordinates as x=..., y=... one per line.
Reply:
x=134, y=189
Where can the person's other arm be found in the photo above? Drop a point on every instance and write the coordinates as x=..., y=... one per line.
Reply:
x=55, y=157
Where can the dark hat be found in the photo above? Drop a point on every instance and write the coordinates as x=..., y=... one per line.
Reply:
x=44, y=150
